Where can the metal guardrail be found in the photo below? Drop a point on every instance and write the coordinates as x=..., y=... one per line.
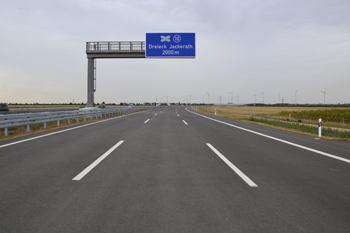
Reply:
x=106, y=46
x=15, y=120
x=23, y=109
x=44, y=107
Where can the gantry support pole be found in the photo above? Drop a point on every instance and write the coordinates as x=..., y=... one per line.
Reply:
x=90, y=83
x=116, y=49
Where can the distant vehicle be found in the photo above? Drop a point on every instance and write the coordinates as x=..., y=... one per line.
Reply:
x=101, y=106
x=4, y=107
x=131, y=105
x=157, y=104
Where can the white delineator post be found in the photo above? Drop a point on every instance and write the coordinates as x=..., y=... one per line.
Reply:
x=215, y=111
x=320, y=127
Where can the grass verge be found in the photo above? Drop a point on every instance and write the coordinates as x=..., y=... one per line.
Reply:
x=327, y=133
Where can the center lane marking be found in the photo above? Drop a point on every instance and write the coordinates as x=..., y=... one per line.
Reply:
x=233, y=167
x=146, y=121
x=97, y=161
x=185, y=122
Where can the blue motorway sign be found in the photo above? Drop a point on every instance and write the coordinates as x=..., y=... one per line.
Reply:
x=171, y=45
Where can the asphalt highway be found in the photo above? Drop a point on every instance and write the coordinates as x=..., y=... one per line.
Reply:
x=173, y=170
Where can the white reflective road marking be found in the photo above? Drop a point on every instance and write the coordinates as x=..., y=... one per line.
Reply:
x=146, y=121
x=233, y=167
x=277, y=139
x=178, y=115
x=155, y=114
x=185, y=122
x=97, y=161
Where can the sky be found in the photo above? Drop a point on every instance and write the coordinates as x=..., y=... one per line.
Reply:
x=259, y=50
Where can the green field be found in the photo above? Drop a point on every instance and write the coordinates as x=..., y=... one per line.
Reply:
x=335, y=121
x=330, y=115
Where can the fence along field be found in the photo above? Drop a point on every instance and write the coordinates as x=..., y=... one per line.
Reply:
x=336, y=119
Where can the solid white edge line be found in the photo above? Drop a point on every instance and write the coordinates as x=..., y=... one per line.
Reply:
x=146, y=121
x=185, y=122
x=233, y=167
x=65, y=130
x=277, y=139
x=96, y=162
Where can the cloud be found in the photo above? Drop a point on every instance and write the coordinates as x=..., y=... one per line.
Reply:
x=242, y=47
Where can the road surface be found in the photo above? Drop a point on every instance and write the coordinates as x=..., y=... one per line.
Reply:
x=173, y=170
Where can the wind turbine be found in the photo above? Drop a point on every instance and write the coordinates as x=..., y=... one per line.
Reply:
x=255, y=99
x=231, y=97
x=219, y=99
x=208, y=97
x=262, y=95
x=237, y=98
x=324, y=96
x=296, y=92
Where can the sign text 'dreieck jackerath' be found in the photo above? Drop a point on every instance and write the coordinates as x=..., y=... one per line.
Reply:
x=175, y=45
x=189, y=46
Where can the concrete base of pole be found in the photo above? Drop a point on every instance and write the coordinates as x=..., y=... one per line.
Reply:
x=88, y=108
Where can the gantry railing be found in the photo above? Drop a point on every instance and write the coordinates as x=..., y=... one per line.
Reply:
x=110, y=46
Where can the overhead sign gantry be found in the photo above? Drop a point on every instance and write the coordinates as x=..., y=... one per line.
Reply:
x=157, y=45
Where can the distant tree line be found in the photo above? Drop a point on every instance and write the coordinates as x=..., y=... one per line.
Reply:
x=300, y=105
x=111, y=104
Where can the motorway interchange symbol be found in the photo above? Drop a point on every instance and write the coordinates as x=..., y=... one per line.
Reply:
x=165, y=38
